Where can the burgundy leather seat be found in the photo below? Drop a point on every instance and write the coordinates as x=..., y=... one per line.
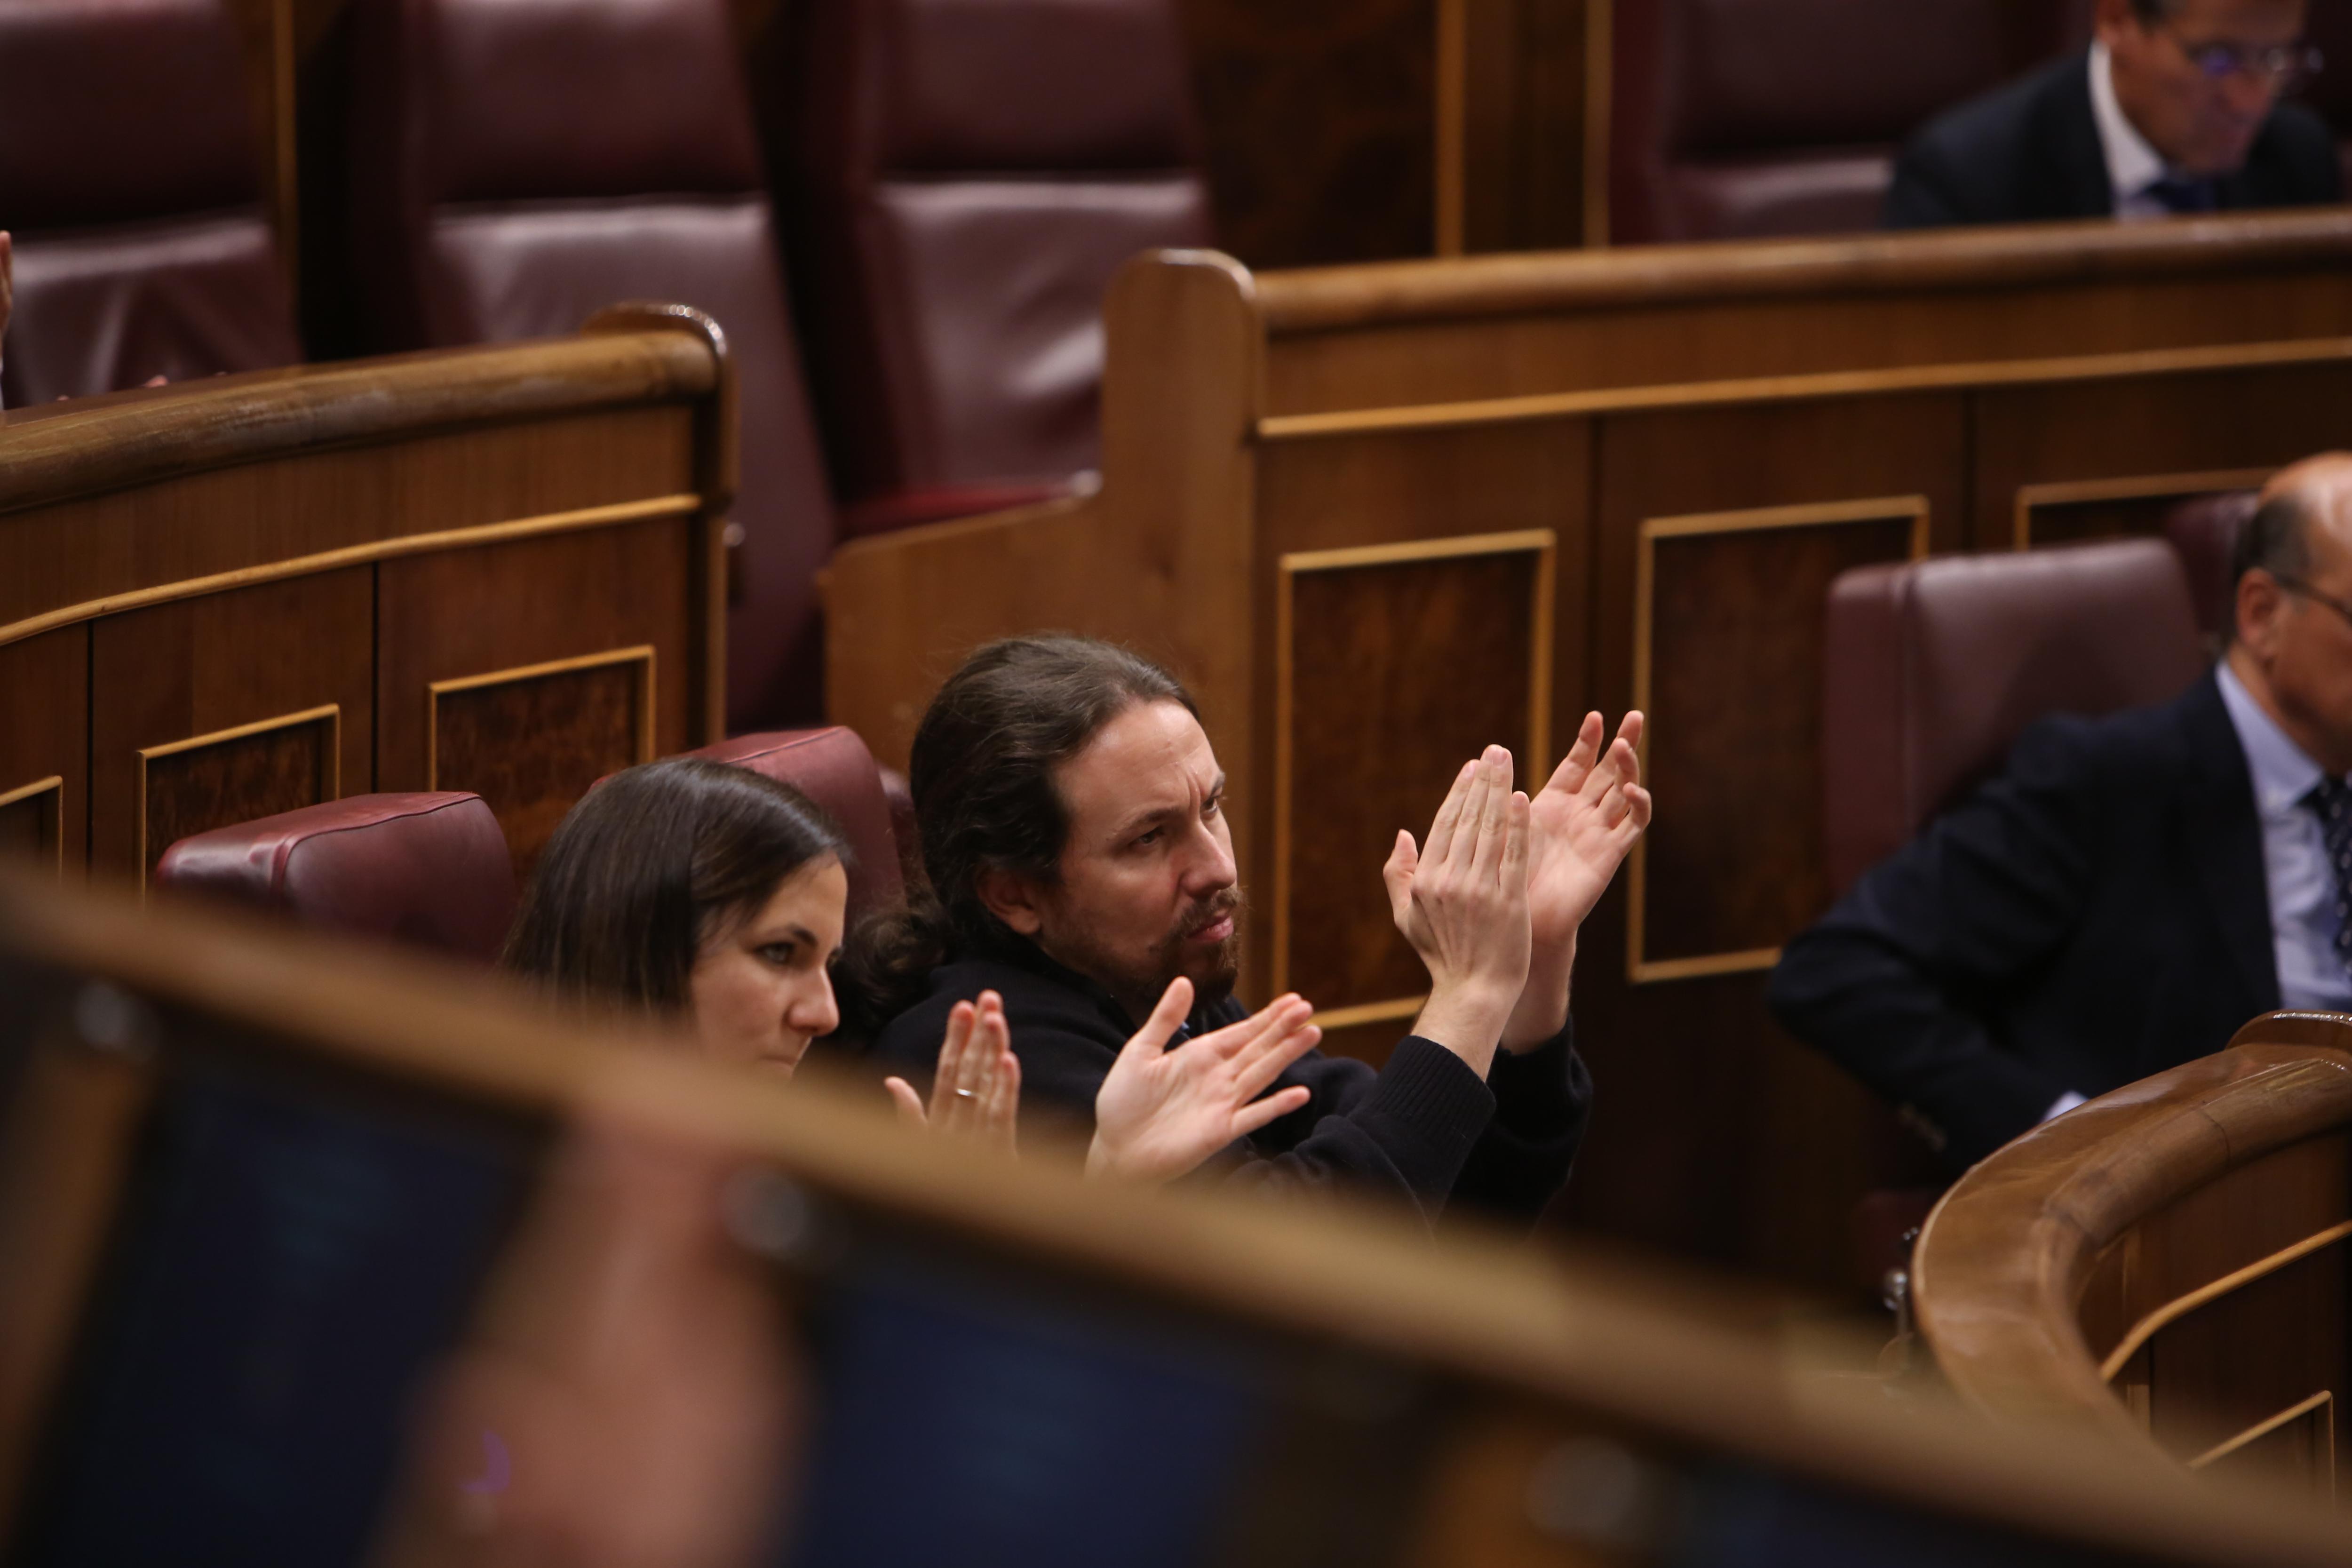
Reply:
x=2205, y=531
x=517, y=164
x=966, y=176
x=833, y=768
x=1933, y=669
x=429, y=871
x=1738, y=118
x=130, y=179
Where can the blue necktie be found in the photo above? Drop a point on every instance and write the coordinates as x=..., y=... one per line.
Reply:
x=2331, y=799
x=2181, y=194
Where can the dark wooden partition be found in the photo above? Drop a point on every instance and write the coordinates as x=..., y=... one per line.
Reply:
x=2167, y=1263
x=494, y=570
x=1330, y=1387
x=1359, y=509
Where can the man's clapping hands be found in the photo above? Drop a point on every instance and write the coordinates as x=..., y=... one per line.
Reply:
x=1493, y=902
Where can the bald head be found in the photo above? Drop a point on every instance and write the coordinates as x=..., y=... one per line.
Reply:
x=2292, y=640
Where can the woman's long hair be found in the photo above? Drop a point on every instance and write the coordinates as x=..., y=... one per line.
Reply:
x=648, y=867
x=982, y=774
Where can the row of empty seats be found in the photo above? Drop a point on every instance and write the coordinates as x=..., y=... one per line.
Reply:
x=958, y=182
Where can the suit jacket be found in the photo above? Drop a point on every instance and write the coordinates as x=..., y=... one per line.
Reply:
x=2097, y=913
x=2030, y=151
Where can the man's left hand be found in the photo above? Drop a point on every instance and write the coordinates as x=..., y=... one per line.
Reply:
x=1585, y=822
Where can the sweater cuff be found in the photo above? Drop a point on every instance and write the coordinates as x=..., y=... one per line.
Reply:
x=1536, y=1092
x=1432, y=1109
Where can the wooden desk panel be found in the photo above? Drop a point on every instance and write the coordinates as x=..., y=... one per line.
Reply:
x=208, y=708
x=221, y=600
x=1709, y=434
x=526, y=671
x=45, y=747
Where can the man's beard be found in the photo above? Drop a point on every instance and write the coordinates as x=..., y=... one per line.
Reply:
x=1139, y=985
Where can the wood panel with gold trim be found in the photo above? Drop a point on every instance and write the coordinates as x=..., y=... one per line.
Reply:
x=217, y=710
x=2075, y=511
x=1395, y=663
x=45, y=735
x=233, y=776
x=584, y=718
x=2113, y=453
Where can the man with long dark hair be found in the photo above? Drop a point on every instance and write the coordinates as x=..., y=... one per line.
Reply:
x=1071, y=813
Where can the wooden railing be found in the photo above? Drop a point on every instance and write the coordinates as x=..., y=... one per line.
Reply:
x=325, y=1119
x=2166, y=1265
x=1379, y=517
x=494, y=569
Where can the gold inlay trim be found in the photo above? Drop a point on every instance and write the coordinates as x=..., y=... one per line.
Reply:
x=355, y=555
x=1989, y=375
x=54, y=785
x=329, y=713
x=643, y=654
x=2180, y=1307
x=1543, y=543
x=1640, y=969
x=2138, y=487
x=1370, y=1013
x=2324, y=1400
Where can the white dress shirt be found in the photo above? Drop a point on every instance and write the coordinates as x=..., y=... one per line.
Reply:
x=2133, y=165
x=2295, y=856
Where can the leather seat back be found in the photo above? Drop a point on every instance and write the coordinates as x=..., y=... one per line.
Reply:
x=2329, y=25
x=966, y=176
x=131, y=180
x=428, y=871
x=1735, y=118
x=2205, y=531
x=1934, y=667
x=518, y=164
x=833, y=767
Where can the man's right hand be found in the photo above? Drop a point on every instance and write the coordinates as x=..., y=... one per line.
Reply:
x=1463, y=904
x=1162, y=1112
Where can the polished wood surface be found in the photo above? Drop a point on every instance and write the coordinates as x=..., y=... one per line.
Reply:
x=2166, y=1266
x=1522, y=1366
x=1709, y=434
x=224, y=600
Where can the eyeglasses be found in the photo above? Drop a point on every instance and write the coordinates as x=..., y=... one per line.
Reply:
x=2281, y=66
x=2298, y=585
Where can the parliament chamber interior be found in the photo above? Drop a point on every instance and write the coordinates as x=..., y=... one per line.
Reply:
x=672, y=671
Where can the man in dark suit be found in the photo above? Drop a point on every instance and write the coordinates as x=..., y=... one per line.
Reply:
x=2174, y=108
x=2131, y=889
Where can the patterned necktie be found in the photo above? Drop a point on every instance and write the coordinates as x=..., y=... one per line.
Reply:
x=2181, y=194
x=2331, y=799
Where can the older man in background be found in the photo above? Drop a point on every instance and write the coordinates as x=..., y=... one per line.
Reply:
x=2131, y=889
x=2176, y=109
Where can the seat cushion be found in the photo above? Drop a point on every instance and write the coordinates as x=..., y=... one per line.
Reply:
x=2205, y=531
x=833, y=767
x=1933, y=669
x=429, y=871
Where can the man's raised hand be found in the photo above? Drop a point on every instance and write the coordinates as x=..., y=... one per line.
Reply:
x=1585, y=822
x=1162, y=1112
x=1462, y=904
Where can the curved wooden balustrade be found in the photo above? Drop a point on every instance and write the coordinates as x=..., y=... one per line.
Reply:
x=497, y=569
x=1484, y=1404
x=2164, y=1264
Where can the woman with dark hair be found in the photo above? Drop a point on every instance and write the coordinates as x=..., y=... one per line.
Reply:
x=712, y=894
